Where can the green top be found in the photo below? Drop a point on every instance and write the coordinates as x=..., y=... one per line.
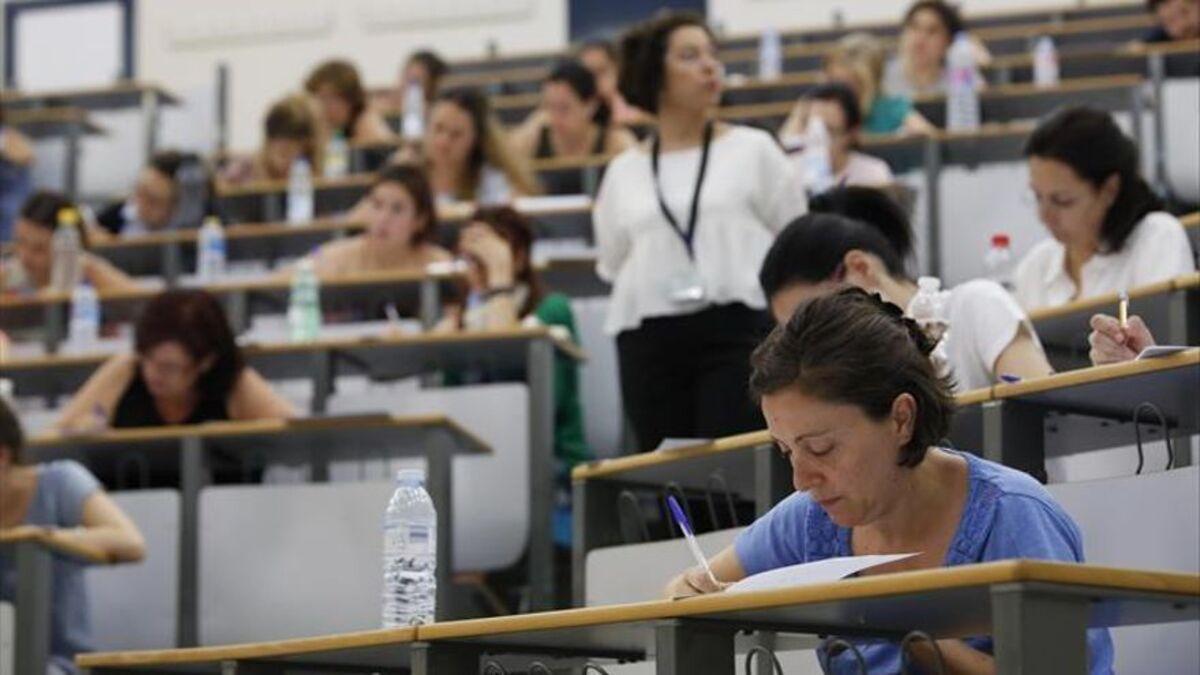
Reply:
x=570, y=443
x=887, y=115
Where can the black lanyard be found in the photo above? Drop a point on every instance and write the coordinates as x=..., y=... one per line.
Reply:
x=689, y=234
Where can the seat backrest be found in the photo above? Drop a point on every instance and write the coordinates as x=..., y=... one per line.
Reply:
x=640, y=572
x=135, y=606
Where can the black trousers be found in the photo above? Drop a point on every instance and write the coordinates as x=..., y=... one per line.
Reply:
x=686, y=376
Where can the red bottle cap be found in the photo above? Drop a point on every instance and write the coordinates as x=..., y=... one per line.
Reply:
x=1000, y=240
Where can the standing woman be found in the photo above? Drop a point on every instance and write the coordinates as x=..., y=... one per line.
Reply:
x=682, y=223
x=343, y=103
x=1108, y=230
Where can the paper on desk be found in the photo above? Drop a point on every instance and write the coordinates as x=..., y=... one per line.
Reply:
x=1161, y=350
x=819, y=572
x=676, y=443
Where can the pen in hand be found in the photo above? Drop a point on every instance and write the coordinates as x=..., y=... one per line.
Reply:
x=693, y=545
x=1123, y=310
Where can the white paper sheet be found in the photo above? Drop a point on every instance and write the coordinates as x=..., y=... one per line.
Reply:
x=821, y=571
x=1160, y=351
x=669, y=444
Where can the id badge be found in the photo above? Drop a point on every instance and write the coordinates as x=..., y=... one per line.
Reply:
x=685, y=287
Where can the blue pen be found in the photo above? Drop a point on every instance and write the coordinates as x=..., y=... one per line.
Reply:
x=1009, y=379
x=686, y=527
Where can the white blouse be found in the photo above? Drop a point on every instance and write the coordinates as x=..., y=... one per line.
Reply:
x=983, y=321
x=750, y=193
x=1156, y=250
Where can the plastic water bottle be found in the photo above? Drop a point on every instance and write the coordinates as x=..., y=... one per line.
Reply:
x=210, y=254
x=818, y=167
x=1045, y=63
x=928, y=308
x=67, y=248
x=300, y=192
x=770, y=55
x=83, y=331
x=337, y=156
x=962, y=95
x=412, y=125
x=304, y=303
x=998, y=260
x=409, y=553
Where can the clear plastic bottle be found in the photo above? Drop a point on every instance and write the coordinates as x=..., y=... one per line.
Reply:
x=83, y=331
x=300, y=192
x=67, y=248
x=928, y=308
x=337, y=156
x=304, y=303
x=1045, y=63
x=210, y=251
x=998, y=260
x=409, y=553
x=412, y=125
x=770, y=55
x=818, y=167
x=962, y=94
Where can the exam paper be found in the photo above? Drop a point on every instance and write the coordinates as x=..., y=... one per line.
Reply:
x=677, y=443
x=1158, y=351
x=818, y=572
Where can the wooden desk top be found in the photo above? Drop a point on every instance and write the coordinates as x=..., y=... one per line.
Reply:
x=123, y=88
x=1107, y=302
x=1191, y=220
x=273, y=427
x=232, y=233
x=1096, y=374
x=55, y=116
x=48, y=540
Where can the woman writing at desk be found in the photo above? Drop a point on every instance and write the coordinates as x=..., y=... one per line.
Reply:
x=186, y=369
x=66, y=503
x=853, y=402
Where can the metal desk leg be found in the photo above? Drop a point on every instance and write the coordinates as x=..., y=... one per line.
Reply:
x=193, y=476
x=1157, y=67
x=150, y=121
x=1014, y=435
x=252, y=668
x=439, y=459
x=686, y=647
x=593, y=524
x=933, y=205
x=54, y=325
x=71, y=163
x=539, y=374
x=1038, y=633
x=431, y=303
x=322, y=378
x=237, y=308
x=1137, y=107
x=172, y=263
x=1183, y=328
x=33, y=603
x=435, y=658
x=772, y=479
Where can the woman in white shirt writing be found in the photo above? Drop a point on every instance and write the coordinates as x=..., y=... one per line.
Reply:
x=682, y=224
x=1108, y=227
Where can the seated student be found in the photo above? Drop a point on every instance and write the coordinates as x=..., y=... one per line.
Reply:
x=837, y=107
x=504, y=291
x=342, y=102
x=29, y=269
x=466, y=152
x=291, y=130
x=853, y=402
x=571, y=122
x=401, y=223
x=64, y=502
x=425, y=69
x=155, y=195
x=1112, y=343
x=16, y=157
x=919, y=68
x=1177, y=20
x=857, y=61
x=600, y=57
x=860, y=237
x=1109, y=231
x=186, y=369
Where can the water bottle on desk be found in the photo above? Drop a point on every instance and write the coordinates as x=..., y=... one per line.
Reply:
x=409, y=553
x=770, y=55
x=300, y=193
x=67, y=248
x=84, y=328
x=962, y=94
x=304, y=303
x=337, y=156
x=412, y=125
x=818, y=167
x=998, y=260
x=928, y=309
x=210, y=255
x=1045, y=63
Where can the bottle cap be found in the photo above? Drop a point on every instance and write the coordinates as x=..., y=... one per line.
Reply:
x=1000, y=240
x=410, y=477
x=67, y=215
x=932, y=284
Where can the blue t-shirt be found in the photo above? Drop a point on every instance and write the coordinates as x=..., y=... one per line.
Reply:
x=62, y=488
x=1007, y=515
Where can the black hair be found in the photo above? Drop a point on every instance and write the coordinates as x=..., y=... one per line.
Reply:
x=435, y=65
x=196, y=320
x=581, y=81
x=642, y=75
x=605, y=46
x=853, y=348
x=844, y=96
x=872, y=206
x=11, y=435
x=42, y=208
x=1091, y=143
x=812, y=247
x=947, y=14
x=167, y=162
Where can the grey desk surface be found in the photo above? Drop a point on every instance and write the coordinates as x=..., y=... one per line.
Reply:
x=115, y=97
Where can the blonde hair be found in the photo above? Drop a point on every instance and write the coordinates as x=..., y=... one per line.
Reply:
x=294, y=118
x=864, y=55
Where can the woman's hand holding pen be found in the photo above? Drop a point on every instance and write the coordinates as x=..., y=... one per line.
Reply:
x=693, y=581
x=1112, y=343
